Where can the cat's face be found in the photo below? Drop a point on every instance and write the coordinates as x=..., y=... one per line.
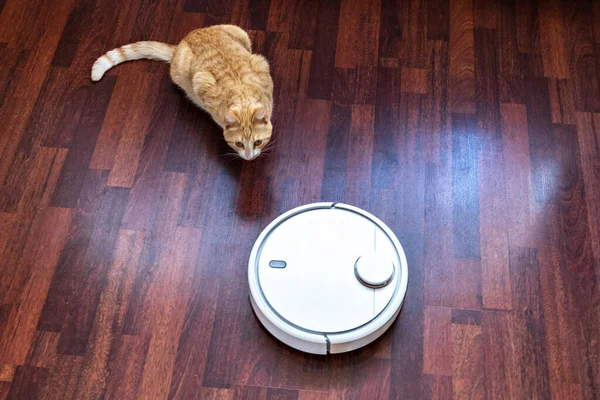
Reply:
x=248, y=130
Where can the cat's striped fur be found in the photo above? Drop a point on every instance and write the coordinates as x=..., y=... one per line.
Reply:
x=217, y=70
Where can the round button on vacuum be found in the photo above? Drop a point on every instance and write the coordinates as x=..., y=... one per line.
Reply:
x=374, y=270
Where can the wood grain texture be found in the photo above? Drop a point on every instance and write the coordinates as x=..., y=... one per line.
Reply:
x=471, y=127
x=324, y=50
x=465, y=192
x=358, y=23
x=494, y=228
x=468, y=378
x=582, y=50
x=461, y=69
x=437, y=341
x=415, y=80
x=552, y=39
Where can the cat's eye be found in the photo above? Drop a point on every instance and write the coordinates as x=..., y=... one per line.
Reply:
x=239, y=144
x=257, y=143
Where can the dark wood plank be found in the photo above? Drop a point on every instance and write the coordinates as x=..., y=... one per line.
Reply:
x=385, y=158
x=281, y=15
x=437, y=341
x=163, y=215
x=4, y=389
x=415, y=80
x=185, y=146
x=122, y=26
x=438, y=235
x=415, y=46
x=187, y=22
x=313, y=395
x=561, y=101
x=195, y=6
x=552, y=40
x=468, y=378
x=28, y=383
x=42, y=353
x=438, y=20
x=528, y=26
x=582, y=55
x=580, y=266
x=151, y=24
x=153, y=154
x=595, y=15
x=561, y=345
x=362, y=381
x=438, y=185
x=487, y=97
x=541, y=141
x=127, y=152
x=438, y=387
x=390, y=29
x=360, y=150
x=358, y=22
x=494, y=232
x=78, y=322
x=62, y=290
x=79, y=18
x=38, y=261
x=529, y=321
x=109, y=315
x=19, y=23
x=337, y=159
x=324, y=50
x=168, y=297
x=510, y=356
x=258, y=11
x=281, y=394
x=467, y=275
x=466, y=317
x=73, y=174
x=509, y=80
x=588, y=134
x=40, y=171
x=485, y=14
x=354, y=85
x=461, y=69
x=303, y=28
x=465, y=194
x=192, y=350
x=118, y=115
x=17, y=111
x=125, y=366
x=517, y=167
x=14, y=60
x=63, y=377
x=40, y=175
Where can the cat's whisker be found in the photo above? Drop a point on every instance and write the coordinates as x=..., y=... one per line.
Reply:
x=231, y=155
x=269, y=146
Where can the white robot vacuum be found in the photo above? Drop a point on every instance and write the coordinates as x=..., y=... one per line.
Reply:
x=327, y=278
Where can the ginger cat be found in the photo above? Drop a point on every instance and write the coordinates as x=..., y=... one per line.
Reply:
x=218, y=72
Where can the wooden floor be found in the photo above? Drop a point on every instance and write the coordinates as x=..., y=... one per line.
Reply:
x=472, y=127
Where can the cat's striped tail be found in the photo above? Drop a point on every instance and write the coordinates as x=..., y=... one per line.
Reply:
x=133, y=51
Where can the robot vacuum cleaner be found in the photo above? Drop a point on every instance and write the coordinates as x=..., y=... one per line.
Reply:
x=327, y=278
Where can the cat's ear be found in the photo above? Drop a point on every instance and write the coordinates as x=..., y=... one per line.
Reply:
x=232, y=117
x=258, y=114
